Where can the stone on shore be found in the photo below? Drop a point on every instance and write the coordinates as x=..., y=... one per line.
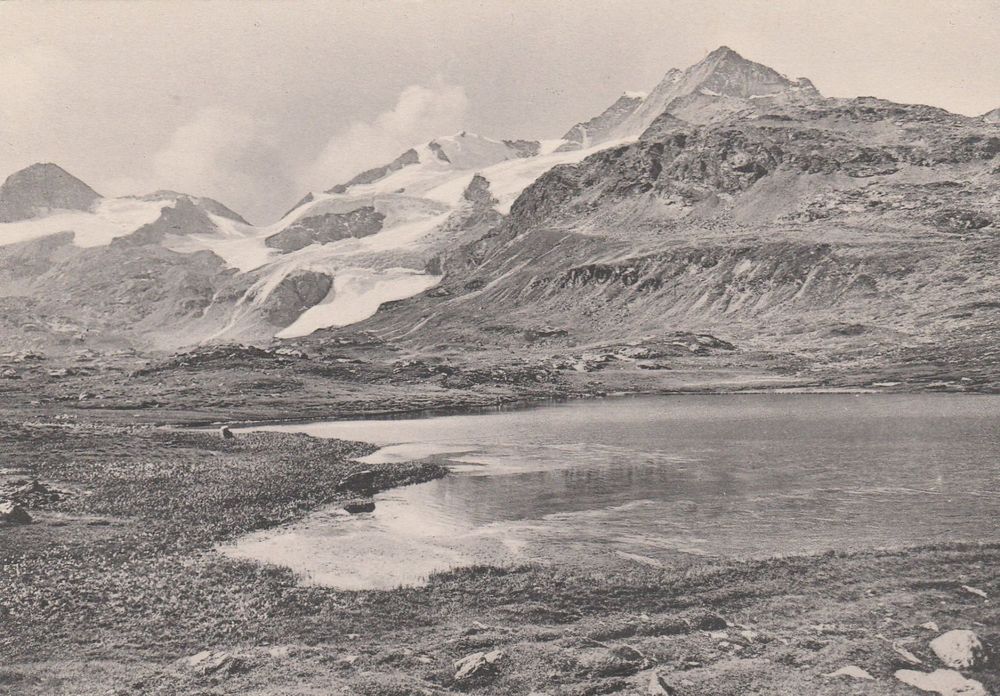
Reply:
x=946, y=682
x=959, y=649
x=226, y=433
x=11, y=513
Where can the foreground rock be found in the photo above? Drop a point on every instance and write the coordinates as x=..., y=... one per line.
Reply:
x=480, y=666
x=213, y=661
x=960, y=649
x=362, y=482
x=358, y=506
x=11, y=513
x=946, y=682
x=620, y=660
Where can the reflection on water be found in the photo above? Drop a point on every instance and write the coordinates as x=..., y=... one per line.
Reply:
x=655, y=479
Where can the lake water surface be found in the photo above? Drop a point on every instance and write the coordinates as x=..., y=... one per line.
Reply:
x=656, y=480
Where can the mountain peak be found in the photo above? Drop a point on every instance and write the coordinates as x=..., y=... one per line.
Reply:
x=724, y=72
x=724, y=52
x=41, y=187
x=720, y=84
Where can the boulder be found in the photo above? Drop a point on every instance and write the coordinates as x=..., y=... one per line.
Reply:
x=479, y=666
x=616, y=661
x=975, y=590
x=946, y=682
x=225, y=433
x=362, y=482
x=852, y=672
x=11, y=513
x=709, y=622
x=358, y=506
x=960, y=649
x=215, y=661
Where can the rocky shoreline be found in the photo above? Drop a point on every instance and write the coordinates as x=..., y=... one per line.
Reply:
x=114, y=588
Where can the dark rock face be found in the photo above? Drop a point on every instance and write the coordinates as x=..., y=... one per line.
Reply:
x=208, y=205
x=40, y=188
x=478, y=192
x=296, y=293
x=438, y=151
x=330, y=227
x=376, y=173
x=524, y=148
x=183, y=218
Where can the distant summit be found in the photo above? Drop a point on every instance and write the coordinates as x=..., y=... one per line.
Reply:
x=724, y=82
x=40, y=188
x=209, y=205
x=724, y=72
x=992, y=116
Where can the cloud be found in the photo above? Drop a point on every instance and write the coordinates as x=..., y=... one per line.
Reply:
x=30, y=81
x=206, y=149
x=421, y=113
x=222, y=153
x=34, y=84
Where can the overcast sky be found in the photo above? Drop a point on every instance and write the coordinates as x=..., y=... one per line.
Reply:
x=257, y=103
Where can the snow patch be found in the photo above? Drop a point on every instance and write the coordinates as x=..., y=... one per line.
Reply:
x=240, y=246
x=110, y=218
x=356, y=295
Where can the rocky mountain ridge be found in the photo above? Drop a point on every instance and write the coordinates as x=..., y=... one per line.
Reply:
x=731, y=201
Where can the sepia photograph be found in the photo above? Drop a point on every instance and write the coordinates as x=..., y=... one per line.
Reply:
x=499, y=347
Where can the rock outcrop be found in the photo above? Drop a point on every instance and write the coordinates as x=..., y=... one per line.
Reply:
x=327, y=228
x=479, y=667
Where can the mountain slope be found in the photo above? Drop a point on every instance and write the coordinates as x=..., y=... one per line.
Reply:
x=859, y=235
x=851, y=236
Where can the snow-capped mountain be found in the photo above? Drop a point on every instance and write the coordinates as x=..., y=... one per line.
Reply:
x=724, y=149
x=330, y=261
